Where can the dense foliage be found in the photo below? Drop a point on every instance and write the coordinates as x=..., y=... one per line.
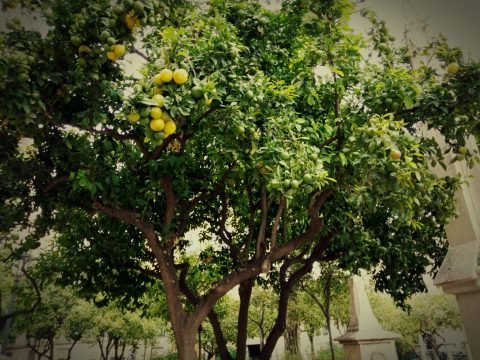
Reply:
x=270, y=132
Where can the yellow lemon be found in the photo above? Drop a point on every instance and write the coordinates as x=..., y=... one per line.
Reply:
x=159, y=99
x=169, y=128
x=453, y=68
x=111, y=55
x=166, y=75
x=157, y=79
x=133, y=117
x=157, y=125
x=119, y=50
x=156, y=112
x=166, y=116
x=180, y=76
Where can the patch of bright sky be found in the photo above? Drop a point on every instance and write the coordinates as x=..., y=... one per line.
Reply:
x=457, y=20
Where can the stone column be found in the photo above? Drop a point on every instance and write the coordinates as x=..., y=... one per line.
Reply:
x=365, y=339
x=460, y=271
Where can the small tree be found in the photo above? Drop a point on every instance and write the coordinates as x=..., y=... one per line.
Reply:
x=329, y=292
x=261, y=313
x=115, y=329
x=226, y=310
x=16, y=281
x=45, y=323
x=79, y=323
x=426, y=314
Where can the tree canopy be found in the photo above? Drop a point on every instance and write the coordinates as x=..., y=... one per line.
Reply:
x=274, y=133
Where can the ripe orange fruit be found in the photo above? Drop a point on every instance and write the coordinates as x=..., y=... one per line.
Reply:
x=131, y=20
x=157, y=124
x=180, y=76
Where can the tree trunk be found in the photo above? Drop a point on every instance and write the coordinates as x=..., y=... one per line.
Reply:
x=200, y=343
x=291, y=339
x=115, y=346
x=50, y=341
x=219, y=338
x=330, y=337
x=279, y=327
x=245, y=293
x=186, y=345
x=312, y=348
x=69, y=354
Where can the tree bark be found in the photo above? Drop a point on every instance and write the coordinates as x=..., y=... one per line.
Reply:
x=286, y=288
x=186, y=345
x=245, y=293
x=328, y=296
x=330, y=338
x=312, y=347
x=219, y=338
x=69, y=354
x=50, y=340
x=291, y=338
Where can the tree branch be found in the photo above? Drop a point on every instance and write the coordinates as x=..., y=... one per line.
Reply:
x=140, y=53
x=187, y=207
x=260, y=247
x=276, y=222
x=57, y=181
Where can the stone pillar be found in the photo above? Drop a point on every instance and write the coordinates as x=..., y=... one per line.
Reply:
x=365, y=339
x=460, y=271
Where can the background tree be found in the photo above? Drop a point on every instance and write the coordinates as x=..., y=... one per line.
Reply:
x=261, y=313
x=226, y=309
x=329, y=292
x=79, y=322
x=16, y=279
x=45, y=323
x=427, y=315
x=115, y=329
x=312, y=319
x=226, y=127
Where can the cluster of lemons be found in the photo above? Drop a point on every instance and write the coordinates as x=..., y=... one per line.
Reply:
x=160, y=119
x=116, y=51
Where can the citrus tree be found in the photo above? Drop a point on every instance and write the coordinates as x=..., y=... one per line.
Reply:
x=269, y=132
